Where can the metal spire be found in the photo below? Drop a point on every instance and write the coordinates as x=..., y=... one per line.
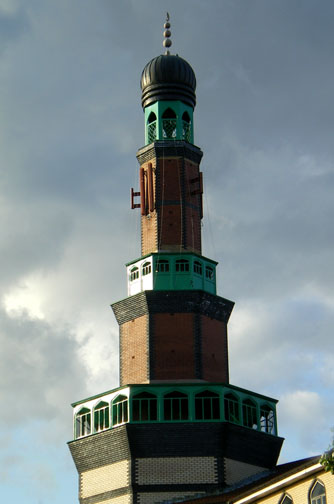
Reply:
x=167, y=33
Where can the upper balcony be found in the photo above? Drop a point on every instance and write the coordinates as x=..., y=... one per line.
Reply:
x=171, y=271
x=200, y=402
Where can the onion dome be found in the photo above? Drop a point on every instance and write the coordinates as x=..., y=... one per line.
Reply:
x=168, y=77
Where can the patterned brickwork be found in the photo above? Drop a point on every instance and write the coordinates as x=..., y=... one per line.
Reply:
x=214, y=350
x=134, y=352
x=101, y=449
x=236, y=471
x=166, y=148
x=176, y=470
x=122, y=499
x=104, y=479
x=195, y=301
x=155, y=497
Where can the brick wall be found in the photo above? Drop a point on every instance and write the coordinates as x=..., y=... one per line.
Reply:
x=176, y=470
x=214, y=350
x=134, y=351
x=104, y=479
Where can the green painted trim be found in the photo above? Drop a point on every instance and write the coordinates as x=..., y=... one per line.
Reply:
x=157, y=130
x=152, y=254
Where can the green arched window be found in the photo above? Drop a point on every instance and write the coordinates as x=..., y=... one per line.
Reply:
x=101, y=416
x=207, y=406
x=231, y=408
x=162, y=266
x=197, y=267
x=83, y=423
x=134, y=273
x=267, y=419
x=186, y=127
x=176, y=406
x=120, y=410
x=182, y=266
x=169, y=124
x=152, y=127
x=144, y=407
x=146, y=268
x=249, y=414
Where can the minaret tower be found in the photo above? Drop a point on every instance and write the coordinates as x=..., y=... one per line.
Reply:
x=175, y=427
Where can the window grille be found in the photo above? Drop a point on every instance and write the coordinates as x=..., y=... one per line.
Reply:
x=249, y=414
x=152, y=132
x=267, y=420
x=209, y=272
x=144, y=407
x=231, y=408
x=83, y=423
x=182, y=266
x=134, y=274
x=318, y=494
x=207, y=406
x=101, y=417
x=186, y=131
x=176, y=406
x=146, y=268
x=197, y=267
x=162, y=266
x=120, y=410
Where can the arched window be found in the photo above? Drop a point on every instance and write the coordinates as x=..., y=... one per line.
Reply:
x=144, y=407
x=182, y=266
x=207, y=406
x=231, y=408
x=209, y=272
x=162, y=266
x=169, y=124
x=146, y=268
x=151, y=127
x=134, y=273
x=120, y=410
x=101, y=416
x=186, y=131
x=176, y=406
x=318, y=494
x=83, y=423
x=249, y=414
x=286, y=500
x=198, y=267
x=267, y=419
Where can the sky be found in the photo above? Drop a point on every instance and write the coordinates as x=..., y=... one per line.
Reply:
x=70, y=126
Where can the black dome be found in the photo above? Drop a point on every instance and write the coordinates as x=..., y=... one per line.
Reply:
x=168, y=77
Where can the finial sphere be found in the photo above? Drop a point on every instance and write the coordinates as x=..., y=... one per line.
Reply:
x=167, y=43
x=167, y=33
x=167, y=25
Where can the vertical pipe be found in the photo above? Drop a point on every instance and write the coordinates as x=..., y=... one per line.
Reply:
x=142, y=191
x=150, y=188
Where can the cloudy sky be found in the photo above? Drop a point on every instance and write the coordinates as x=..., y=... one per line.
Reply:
x=70, y=126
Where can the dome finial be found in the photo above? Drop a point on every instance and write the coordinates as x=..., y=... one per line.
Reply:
x=167, y=33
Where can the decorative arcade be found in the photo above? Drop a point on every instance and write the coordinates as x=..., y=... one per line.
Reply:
x=175, y=427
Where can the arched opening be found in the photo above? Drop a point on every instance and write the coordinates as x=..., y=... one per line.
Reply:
x=231, y=408
x=169, y=124
x=249, y=414
x=146, y=268
x=207, y=406
x=176, y=406
x=162, y=266
x=101, y=416
x=197, y=267
x=267, y=420
x=144, y=407
x=134, y=273
x=120, y=410
x=182, y=266
x=186, y=127
x=286, y=500
x=151, y=127
x=83, y=423
x=209, y=273
x=318, y=494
